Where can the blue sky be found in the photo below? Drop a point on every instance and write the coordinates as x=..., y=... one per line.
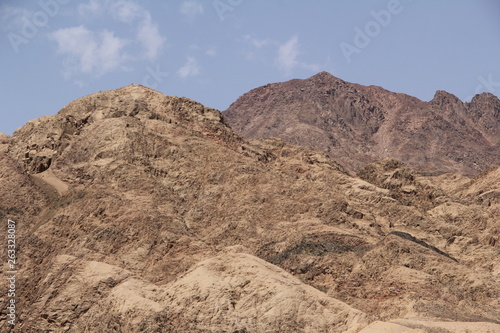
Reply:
x=213, y=51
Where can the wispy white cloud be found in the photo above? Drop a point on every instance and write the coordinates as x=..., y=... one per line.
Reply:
x=287, y=58
x=120, y=10
x=88, y=52
x=92, y=9
x=149, y=36
x=190, y=68
x=100, y=52
x=211, y=51
x=258, y=43
x=310, y=67
x=191, y=9
x=253, y=48
x=287, y=55
x=127, y=11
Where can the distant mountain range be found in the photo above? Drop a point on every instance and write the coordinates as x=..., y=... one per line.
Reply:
x=358, y=124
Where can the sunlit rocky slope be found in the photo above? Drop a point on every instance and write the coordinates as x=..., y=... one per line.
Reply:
x=139, y=212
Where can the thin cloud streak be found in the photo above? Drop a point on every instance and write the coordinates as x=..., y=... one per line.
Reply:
x=190, y=68
x=287, y=58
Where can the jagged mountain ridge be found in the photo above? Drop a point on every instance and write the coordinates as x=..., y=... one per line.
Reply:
x=358, y=124
x=143, y=212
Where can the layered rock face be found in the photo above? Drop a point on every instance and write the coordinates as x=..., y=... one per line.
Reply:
x=357, y=124
x=140, y=212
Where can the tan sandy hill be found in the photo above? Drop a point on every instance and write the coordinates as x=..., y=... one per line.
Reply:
x=139, y=212
x=358, y=124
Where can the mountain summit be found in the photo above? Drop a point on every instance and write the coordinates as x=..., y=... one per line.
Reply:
x=358, y=124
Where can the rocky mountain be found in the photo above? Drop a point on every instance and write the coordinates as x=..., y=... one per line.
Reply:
x=357, y=124
x=140, y=212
